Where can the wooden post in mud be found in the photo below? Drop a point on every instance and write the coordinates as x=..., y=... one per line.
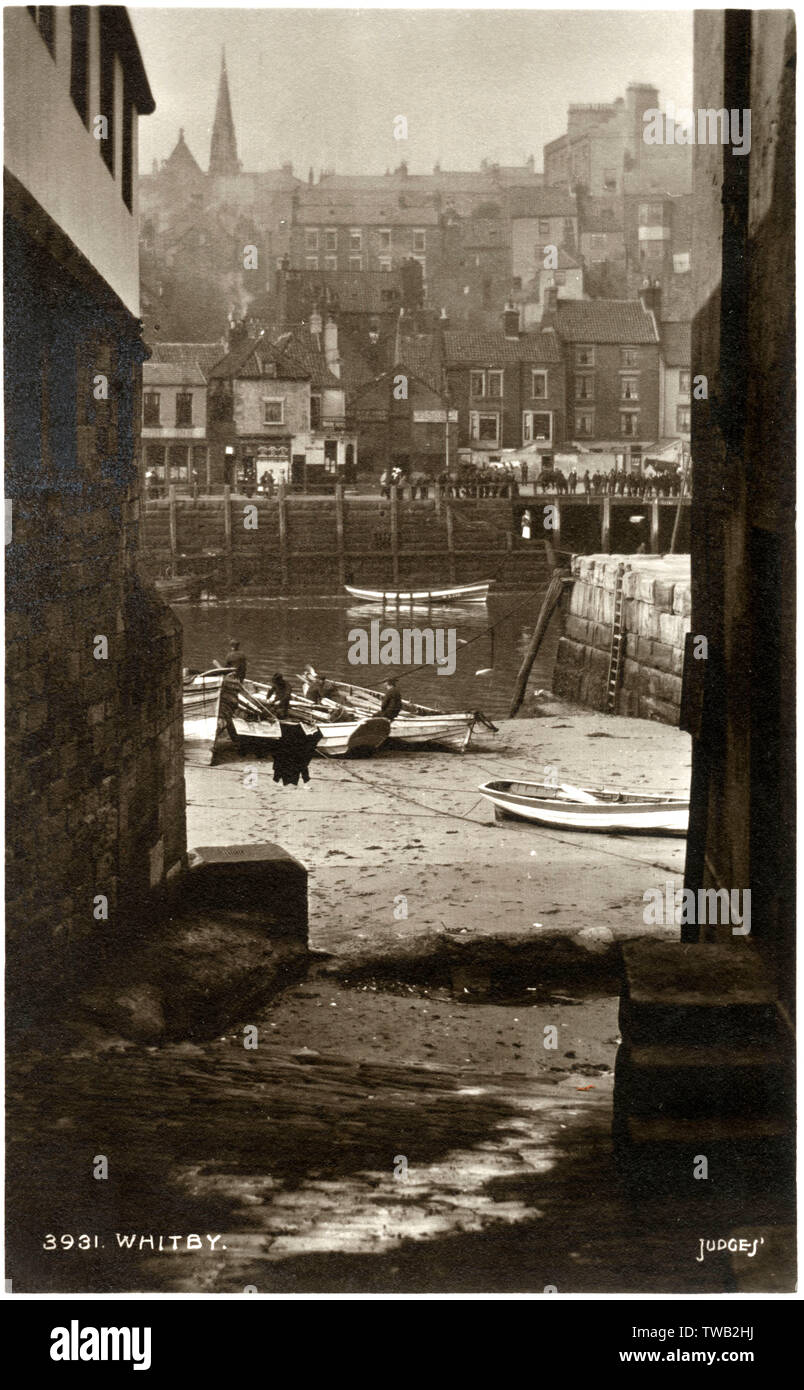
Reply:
x=395, y=533
x=550, y=601
x=227, y=535
x=605, y=525
x=437, y=493
x=283, y=539
x=450, y=541
x=172, y=527
x=339, y=534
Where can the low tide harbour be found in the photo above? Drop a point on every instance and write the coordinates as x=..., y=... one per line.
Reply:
x=284, y=636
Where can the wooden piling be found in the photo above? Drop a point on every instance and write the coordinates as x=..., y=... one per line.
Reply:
x=227, y=535
x=283, y=538
x=339, y=534
x=450, y=542
x=550, y=602
x=395, y=533
x=172, y=525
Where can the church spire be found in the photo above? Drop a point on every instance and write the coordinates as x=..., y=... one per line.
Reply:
x=223, y=151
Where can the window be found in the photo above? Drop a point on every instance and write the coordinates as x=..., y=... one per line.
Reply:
x=597, y=242
x=681, y=262
x=585, y=423
x=184, y=409
x=544, y=226
x=683, y=383
x=495, y=385
x=584, y=356
x=484, y=429
x=385, y=262
x=331, y=239
x=43, y=18
x=315, y=412
x=537, y=427
x=629, y=388
x=150, y=409
x=311, y=262
x=651, y=250
x=584, y=388
x=628, y=357
x=311, y=239
x=355, y=262
x=629, y=423
x=422, y=262
x=107, y=95
x=651, y=214
x=355, y=239
x=79, y=58
x=330, y=262
x=538, y=385
x=419, y=240
x=610, y=180
x=273, y=410
x=477, y=384
x=683, y=419
x=385, y=239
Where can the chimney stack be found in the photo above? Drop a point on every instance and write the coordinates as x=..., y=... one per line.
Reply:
x=333, y=361
x=510, y=320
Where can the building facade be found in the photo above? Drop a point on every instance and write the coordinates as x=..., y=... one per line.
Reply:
x=96, y=824
x=174, y=415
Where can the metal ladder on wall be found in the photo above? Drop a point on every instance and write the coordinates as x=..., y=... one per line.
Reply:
x=617, y=644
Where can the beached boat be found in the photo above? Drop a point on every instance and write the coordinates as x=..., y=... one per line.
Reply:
x=589, y=808
x=455, y=593
x=201, y=706
x=415, y=724
x=352, y=731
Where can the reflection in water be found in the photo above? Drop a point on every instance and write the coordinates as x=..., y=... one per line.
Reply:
x=285, y=636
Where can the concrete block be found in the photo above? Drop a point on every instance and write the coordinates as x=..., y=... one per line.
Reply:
x=662, y=656
x=682, y=600
x=262, y=880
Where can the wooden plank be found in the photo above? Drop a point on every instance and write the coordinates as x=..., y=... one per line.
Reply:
x=395, y=534
x=172, y=524
x=450, y=541
x=227, y=534
x=339, y=533
x=283, y=537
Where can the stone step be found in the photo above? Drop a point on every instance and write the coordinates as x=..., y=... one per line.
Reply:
x=743, y=1153
x=694, y=993
x=662, y=1079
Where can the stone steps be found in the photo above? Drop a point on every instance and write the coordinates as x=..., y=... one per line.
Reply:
x=705, y=1068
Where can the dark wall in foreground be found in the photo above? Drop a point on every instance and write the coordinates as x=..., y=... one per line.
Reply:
x=741, y=702
x=94, y=757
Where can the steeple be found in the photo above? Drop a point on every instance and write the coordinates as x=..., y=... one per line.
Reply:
x=223, y=151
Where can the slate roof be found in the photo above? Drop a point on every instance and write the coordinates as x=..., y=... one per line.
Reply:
x=300, y=350
x=252, y=357
x=202, y=356
x=172, y=374
x=604, y=321
x=466, y=348
x=677, y=344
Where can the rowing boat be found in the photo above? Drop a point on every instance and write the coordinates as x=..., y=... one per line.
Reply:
x=354, y=730
x=201, y=705
x=589, y=808
x=415, y=724
x=460, y=593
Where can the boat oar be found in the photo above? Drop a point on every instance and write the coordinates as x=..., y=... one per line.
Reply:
x=576, y=794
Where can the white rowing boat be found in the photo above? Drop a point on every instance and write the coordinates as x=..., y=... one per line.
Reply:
x=455, y=593
x=353, y=730
x=415, y=724
x=589, y=808
x=201, y=703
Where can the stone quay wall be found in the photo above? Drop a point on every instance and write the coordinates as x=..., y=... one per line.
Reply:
x=656, y=619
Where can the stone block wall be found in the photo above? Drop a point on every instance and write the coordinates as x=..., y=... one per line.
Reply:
x=656, y=619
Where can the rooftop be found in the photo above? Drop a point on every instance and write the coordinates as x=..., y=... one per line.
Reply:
x=604, y=321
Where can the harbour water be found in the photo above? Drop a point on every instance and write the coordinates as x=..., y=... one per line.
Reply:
x=284, y=636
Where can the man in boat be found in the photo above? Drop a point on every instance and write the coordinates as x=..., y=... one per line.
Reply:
x=279, y=697
x=237, y=660
x=228, y=706
x=392, y=700
x=316, y=686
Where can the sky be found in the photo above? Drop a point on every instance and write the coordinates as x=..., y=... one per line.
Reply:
x=322, y=87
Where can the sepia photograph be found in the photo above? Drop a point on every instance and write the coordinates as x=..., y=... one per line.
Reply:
x=400, y=654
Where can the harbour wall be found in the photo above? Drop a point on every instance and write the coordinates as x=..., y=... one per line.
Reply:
x=297, y=544
x=655, y=619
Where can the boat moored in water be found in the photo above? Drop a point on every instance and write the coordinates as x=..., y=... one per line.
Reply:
x=454, y=593
x=597, y=809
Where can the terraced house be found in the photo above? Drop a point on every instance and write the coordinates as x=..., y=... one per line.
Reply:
x=611, y=361
x=508, y=388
